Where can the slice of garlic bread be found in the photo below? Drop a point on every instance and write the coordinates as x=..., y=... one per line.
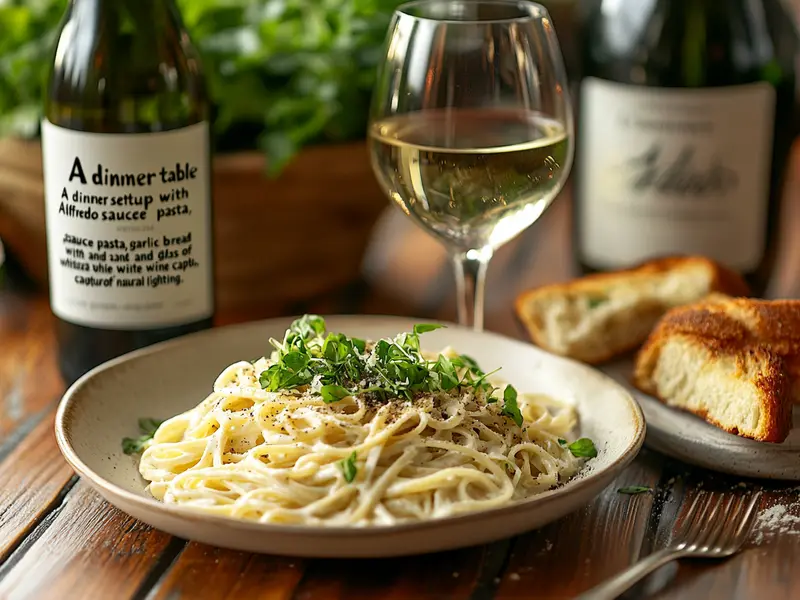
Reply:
x=741, y=323
x=598, y=317
x=735, y=362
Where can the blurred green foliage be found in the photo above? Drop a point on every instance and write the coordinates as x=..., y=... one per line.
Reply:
x=283, y=73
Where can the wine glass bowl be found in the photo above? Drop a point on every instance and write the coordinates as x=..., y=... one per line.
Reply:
x=471, y=126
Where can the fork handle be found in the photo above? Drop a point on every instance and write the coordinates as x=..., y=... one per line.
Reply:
x=622, y=582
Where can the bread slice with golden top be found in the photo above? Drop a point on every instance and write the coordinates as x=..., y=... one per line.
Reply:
x=598, y=317
x=735, y=362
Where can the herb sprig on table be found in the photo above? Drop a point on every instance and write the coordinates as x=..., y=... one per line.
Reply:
x=339, y=366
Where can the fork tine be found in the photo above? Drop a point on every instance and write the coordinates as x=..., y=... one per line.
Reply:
x=736, y=513
x=691, y=515
x=723, y=538
x=748, y=520
x=715, y=522
x=709, y=527
x=736, y=524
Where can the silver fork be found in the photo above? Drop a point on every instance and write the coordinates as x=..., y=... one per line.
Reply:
x=716, y=526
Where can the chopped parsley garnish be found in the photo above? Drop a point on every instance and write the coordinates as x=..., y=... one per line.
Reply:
x=510, y=407
x=426, y=327
x=562, y=441
x=337, y=366
x=583, y=448
x=635, y=489
x=333, y=393
x=147, y=427
x=348, y=468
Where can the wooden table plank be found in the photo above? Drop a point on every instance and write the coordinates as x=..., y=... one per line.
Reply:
x=767, y=567
x=604, y=538
x=29, y=381
x=452, y=575
x=31, y=480
x=84, y=549
x=204, y=572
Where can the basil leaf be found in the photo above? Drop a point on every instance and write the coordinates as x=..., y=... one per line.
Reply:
x=426, y=327
x=134, y=445
x=148, y=426
x=634, y=489
x=348, y=468
x=270, y=379
x=510, y=407
x=471, y=363
x=295, y=361
x=448, y=377
x=562, y=441
x=359, y=344
x=583, y=447
x=382, y=350
x=333, y=393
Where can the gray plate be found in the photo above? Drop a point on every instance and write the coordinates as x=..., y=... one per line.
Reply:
x=688, y=438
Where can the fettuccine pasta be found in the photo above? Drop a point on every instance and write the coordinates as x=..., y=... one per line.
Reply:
x=292, y=456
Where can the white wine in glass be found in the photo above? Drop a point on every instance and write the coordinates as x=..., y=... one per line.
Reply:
x=471, y=127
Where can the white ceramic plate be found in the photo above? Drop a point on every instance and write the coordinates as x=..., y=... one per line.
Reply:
x=161, y=381
x=690, y=439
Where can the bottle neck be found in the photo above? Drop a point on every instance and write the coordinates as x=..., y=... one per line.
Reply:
x=145, y=15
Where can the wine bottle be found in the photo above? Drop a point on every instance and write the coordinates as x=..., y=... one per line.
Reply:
x=685, y=128
x=126, y=153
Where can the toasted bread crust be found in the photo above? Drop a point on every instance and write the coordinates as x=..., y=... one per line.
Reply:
x=760, y=330
x=735, y=324
x=722, y=280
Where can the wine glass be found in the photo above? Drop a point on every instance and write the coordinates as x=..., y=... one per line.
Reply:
x=471, y=128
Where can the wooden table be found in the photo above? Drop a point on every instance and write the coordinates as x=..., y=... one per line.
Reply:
x=60, y=540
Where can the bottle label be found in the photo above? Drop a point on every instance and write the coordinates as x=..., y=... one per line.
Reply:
x=674, y=171
x=128, y=226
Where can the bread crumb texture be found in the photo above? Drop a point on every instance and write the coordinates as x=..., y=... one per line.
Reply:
x=732, y=361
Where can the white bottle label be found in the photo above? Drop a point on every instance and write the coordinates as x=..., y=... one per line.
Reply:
x=674, y=171
x=128, y=226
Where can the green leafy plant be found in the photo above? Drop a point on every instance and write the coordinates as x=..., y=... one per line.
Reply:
x=282, y=73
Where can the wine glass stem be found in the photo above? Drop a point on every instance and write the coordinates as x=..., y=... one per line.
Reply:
x=471, y=284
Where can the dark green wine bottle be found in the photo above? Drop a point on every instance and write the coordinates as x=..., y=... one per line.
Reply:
x=127, y=172
x=685, y=128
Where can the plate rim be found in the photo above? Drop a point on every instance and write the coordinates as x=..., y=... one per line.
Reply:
x=108, y=489
x=694, y=449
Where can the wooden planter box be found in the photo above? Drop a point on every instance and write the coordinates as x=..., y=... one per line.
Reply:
x=279, y=242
